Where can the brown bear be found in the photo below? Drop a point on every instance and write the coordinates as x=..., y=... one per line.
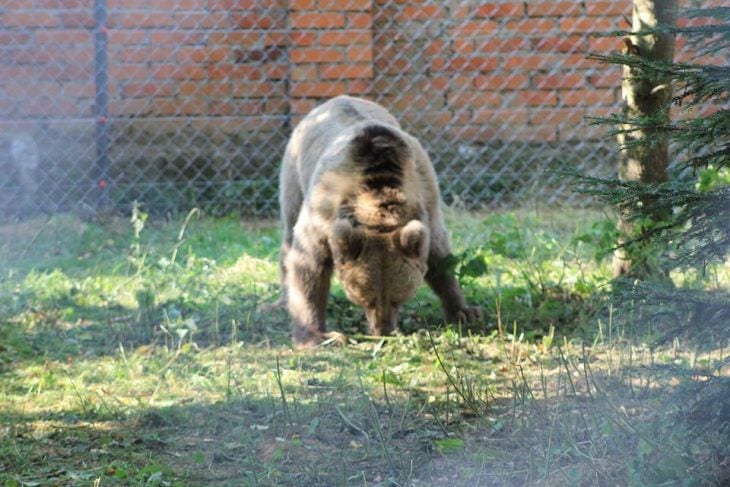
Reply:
x=360, y=195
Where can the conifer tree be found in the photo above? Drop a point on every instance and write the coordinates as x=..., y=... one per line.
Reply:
x=645, y=93
x=692, y=238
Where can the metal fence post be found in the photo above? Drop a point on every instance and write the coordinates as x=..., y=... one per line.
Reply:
x=101, y=104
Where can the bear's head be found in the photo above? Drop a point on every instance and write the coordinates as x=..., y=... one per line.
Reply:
x=380, y=270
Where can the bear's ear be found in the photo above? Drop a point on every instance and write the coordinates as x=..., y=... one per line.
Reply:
x=413, y=239
x=347, y=241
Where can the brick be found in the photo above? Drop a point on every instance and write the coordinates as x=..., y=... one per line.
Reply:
x=259, y=55
x=234, y=71
x=302, y=106
x=499, y=116
x=345, y=4
x=556, y=116
x=498, y=10
x=317, y=89
x=62, y=4
x=217, y=89
x=245, y=4
x=588, y=97
x=276, y=71
x=26, y=88
x=461, y=11
x=238, y=107
x=419, y=12
x=275, y=39
x=345, y=38
x=360, y=54
x=129, y=71
x=500, y=82
x=130, y=106
x=8, y=38
x=411, y=101
x=535, y=98
x=473, y=63
x=540, y=133
x=66, y=36
x=564, y=43
x=179, y=72
x=205, y=20
x=583, y=131
x=252, y=20
x=196, y=4
x=81, y=55
x=607, y=79
x=319, y=20
x=556, y=9
x=32, y=55
x=143, y=54
x=302, y=72
x=78, y=18
x=578, y=61
x=435, y=47
x=359, y=87
x=475, y=28
x=258, y=90
x=180, y=106
x=78, y=89
x=18, y=72
x=188, y=88
x=531, y=62
x=302, y=4
x=473, y=99
x=559, y=81
x=585, y=24
x=316, y=55
x=359, y=20
x=510, y=45
x=605, y=44
x=462, y=46
x=140, y=4
x=614, y=8
x=472, y=132
x=119, y=37
x=43, y=106
x=303, y=38
x=532, y=25
x=197, y=55
x=135, y=90
x=142, y=21
x=346, y=71
x=29, y=19
x=177, y=38
x=238, y=39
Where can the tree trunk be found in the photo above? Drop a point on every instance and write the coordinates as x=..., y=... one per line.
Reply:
x=644, y=151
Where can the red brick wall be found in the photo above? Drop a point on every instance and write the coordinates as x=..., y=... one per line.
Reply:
x=470, y=69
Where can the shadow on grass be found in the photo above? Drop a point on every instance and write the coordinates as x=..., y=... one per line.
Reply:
x=593, y=429
x=317, y=433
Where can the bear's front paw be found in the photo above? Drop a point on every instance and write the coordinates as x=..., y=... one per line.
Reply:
x=467, y=314
x=307, y=339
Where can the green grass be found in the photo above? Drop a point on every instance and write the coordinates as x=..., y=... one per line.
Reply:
x=144, y=358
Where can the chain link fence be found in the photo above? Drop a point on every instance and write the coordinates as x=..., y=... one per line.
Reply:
x=182, y=103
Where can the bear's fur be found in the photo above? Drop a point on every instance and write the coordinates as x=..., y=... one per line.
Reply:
x=360, y=195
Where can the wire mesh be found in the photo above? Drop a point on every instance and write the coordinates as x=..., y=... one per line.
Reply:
x=182, y=103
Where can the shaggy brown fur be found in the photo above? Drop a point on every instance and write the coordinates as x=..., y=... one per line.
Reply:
x=359, y=195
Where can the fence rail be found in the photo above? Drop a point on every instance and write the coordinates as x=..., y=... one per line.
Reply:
x=181, y=103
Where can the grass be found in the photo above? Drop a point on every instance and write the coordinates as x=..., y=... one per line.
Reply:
x=136, y=353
